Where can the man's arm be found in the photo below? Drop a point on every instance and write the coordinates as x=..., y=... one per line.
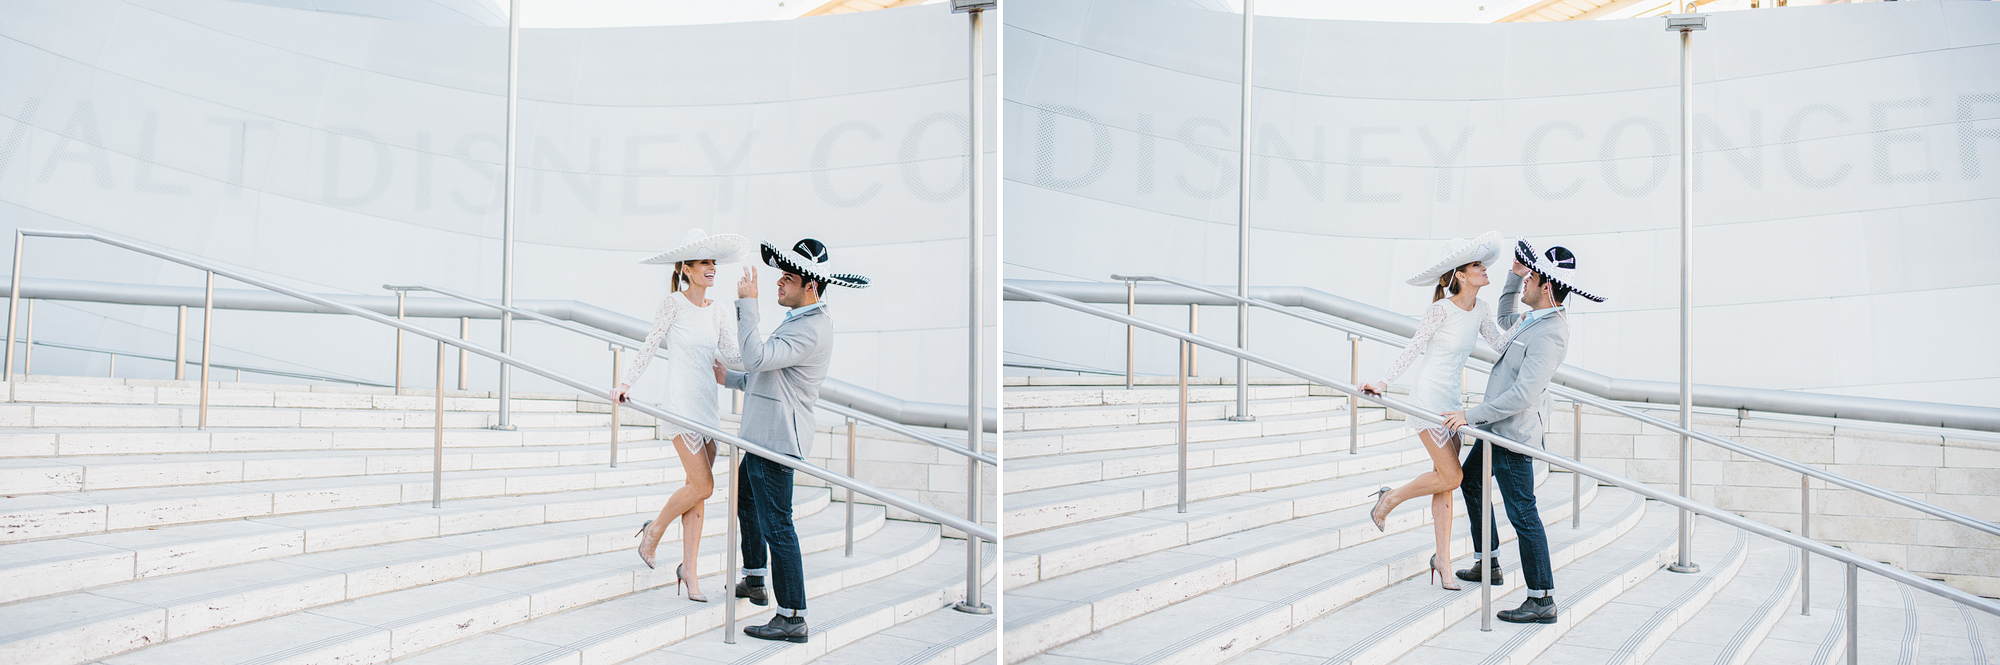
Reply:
x=787, y=346
x=1510, y=297
x=1537, y=368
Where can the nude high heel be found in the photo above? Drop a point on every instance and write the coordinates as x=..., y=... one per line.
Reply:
x=680, y=579
x=1437, y=573
x=1380, y=513
x=642, y=544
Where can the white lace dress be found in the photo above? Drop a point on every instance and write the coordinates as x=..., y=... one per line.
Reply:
x=1444, y=339
x=694, y=338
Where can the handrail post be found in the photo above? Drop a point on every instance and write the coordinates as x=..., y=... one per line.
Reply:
x=1853, y=615
x=729, y=547
x=437, y=450
x=615, y=353
x=1194, y=327
x=1354, y=403
x=1682, y=563
x=1131, y=306
x=207, y=336
x=111, y=362
x=13, y=305
x=849, y=552
x=464, y=333
x=1805, y=557
x=1182, y=430
x=399, y=343
x=1485, y=527
x=1576, y=479
x=28, y=343
x=976, y=263
x=181, y=344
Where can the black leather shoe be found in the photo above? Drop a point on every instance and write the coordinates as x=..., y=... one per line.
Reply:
x=758, y=595
x=1532, y=610
x=787, y=629
x=1472, y=574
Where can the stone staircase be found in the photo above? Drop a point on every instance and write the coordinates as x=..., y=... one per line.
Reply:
x=1276, y=562
x=297, y=528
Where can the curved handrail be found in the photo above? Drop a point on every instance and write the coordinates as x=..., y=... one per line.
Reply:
x=1905, y=412
x=919, y=414
x=1608, y=405
x=887, y=497
x=1411, y=410
x=846, y=411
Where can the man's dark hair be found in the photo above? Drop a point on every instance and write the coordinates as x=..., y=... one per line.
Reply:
x=1560, y=292
x=818, y=285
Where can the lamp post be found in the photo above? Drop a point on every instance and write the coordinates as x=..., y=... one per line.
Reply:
x=1243, y=225
x=1686, y=24
x=976, y=342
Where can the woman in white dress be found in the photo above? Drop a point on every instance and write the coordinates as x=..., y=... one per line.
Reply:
x=695, y=332
x=1455, y=320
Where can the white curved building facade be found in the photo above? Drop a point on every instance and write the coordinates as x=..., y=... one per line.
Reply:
x=341, y=152
x=1847, y=201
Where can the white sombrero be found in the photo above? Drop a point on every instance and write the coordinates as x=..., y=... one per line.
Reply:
x=812, y=259
x=698, y=245
x=1556, y=265
x=1485, y=249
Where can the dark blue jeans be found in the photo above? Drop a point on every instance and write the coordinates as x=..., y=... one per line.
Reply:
x=1514, y=473
x=764, y=509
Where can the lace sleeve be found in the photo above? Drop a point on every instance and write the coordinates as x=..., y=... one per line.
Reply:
x=661, y=321
x=1433, y=319
x=727, y=349
x=1489, y=329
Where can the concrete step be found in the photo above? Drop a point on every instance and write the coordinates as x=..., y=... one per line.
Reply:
x=1099, y=599
x=1058, y=470
x=942, y=637
x=99, y=390
x=46, y=567
x=1898, y=624
x=1023, y=445
x=64, y=442
x=77, y=473
x=1036, y=510
x=860, y=621
x=1269, y=601
x=410, y=595
x=1025, y=420
x=1042, y=397
x=1729, y=629
x=42, y=516
x=1074, y=547
x=112, y=415
x=630, y=626
x=1604, y=619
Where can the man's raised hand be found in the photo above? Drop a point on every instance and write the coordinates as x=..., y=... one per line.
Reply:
x=747, y=286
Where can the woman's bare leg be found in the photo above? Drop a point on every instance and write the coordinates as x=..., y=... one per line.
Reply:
x=691, y=522
x=1441, y=518
x=1443, y=476
x=700, y=484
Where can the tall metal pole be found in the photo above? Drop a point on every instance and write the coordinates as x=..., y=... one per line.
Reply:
x=1853, y=615
x=729, y=545
x=207, y=335
x=13, y=306
x=507, y=220
x=976, y=336
x=1243, y=225
x=1681, y=563
x=1484, y=529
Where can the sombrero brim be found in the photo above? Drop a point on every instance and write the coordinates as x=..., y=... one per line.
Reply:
x=1525, y=254
x=790, y=261
x=1485, y=249
x=721, y=247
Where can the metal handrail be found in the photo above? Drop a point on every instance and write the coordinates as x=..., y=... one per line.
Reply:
x=970, y=529
x=1904, y=412
x=1852, y=560
x=1575, y=395
x=240, y=368
x=600, y=335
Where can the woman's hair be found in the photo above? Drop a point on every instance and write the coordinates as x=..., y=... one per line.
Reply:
x=1448, y=284
x=680, y=279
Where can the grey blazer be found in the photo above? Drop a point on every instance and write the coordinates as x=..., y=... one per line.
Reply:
x=1517, y=392
x=782, y=377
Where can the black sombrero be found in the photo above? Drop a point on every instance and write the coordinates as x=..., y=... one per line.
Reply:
x=1556, y=265
x=811, y=258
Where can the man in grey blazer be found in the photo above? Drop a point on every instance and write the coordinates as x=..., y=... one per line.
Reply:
x=1517, y=407
x=781, y=384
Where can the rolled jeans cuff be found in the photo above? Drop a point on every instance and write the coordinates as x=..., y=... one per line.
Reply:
x=758, y=572
x=789, y=612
